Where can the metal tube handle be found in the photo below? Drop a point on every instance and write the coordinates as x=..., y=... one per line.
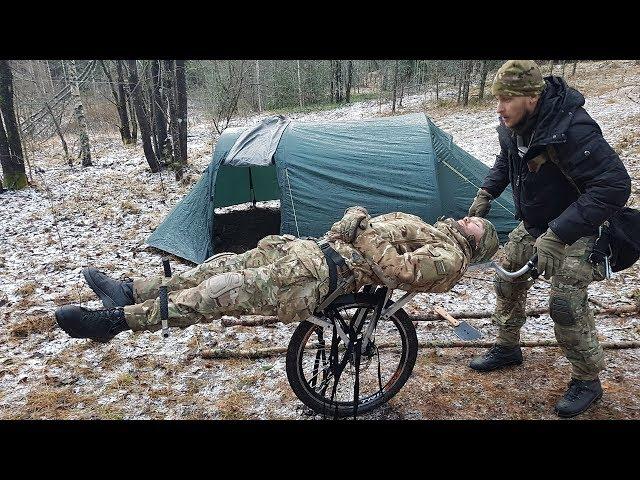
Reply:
x=530, y=266
x=164, y=299
x=166, y=266
x=164, y=310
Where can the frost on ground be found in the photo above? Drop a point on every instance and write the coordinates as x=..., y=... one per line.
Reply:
x=101, y=216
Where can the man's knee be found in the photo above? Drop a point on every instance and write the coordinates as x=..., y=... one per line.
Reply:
x=568, y=300
x=561, y=311
x=222, y=290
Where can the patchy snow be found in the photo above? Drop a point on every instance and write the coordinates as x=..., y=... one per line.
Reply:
x=101, y=216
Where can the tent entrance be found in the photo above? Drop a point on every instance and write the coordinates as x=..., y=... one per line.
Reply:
x=240, y=230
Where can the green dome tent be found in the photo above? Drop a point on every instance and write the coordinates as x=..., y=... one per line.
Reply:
x=401, y=163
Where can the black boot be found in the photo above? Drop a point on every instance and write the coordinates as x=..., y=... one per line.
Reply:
x=580, y=395
x=113, y=293
x=99, y=325
x=497, y=356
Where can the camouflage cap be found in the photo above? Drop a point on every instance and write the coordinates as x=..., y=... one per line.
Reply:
x=518, y=78
x=488, y=244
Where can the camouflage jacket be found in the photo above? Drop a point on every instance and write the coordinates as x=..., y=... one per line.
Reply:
x=401, y=251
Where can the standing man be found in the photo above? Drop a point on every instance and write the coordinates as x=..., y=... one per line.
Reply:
x=566, y=181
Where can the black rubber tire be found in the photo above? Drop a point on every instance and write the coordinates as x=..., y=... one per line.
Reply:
x=323, y=405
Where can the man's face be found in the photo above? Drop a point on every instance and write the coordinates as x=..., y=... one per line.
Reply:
x=514, y=110
x=472, y=226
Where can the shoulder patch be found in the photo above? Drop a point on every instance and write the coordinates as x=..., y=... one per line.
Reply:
x=440, y=267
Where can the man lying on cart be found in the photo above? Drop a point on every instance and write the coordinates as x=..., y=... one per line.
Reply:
x=290, y=277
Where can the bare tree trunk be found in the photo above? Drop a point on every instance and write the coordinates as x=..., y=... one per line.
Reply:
x=11, y=154
x=395, y=87
x=181, y=106
x=383, y=70
x=50, y=77
x=349, y=81
x=550, y=67
x=437, y=81
x=331, y=75
x=258, y=85
x=458, y=79
x=148, y=101
x=132, y=116
x=159, y=115
x=143, y=119
x=65, y=76
x=339, y=82
x=562, y=64
x=169, y=68
x=575, y=64
x=299, y=83
x=48, y=70
x=128, y=115
x=10, y=171
x=467, y=81
x=67, y=157
x=483, y=78
x=117, y=90
x=85, y=148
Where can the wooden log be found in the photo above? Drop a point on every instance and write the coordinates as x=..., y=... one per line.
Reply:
x=221, y=353
x=431, y=317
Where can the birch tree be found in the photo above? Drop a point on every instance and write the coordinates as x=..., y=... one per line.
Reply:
x=258, y=85
x=85, y=149
x=159, y=112
x=395, y=86
x=299, y=83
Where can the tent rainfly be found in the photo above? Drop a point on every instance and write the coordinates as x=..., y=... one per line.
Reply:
x=317, y=170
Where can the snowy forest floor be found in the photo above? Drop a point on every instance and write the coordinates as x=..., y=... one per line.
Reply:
x=100, y=216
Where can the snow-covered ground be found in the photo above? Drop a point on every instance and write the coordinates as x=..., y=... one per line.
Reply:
x=101, y=216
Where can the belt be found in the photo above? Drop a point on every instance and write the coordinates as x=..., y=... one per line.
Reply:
x=335, y=262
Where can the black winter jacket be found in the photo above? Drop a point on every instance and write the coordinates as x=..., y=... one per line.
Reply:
x=546, y=198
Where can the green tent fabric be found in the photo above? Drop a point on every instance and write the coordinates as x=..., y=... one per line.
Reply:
x=400, y=163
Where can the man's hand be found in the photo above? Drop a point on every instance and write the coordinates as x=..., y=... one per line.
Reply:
x=353, y=222
x=481, y=204
x=550, y=251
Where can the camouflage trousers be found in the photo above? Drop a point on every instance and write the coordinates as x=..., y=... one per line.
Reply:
x=573, y=319
x=282, y=276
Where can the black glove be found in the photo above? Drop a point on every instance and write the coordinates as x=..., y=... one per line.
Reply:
x=481, y=204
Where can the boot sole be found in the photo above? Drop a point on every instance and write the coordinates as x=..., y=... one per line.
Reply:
x=110, y=303
x=504, y=365
x=566, y=415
